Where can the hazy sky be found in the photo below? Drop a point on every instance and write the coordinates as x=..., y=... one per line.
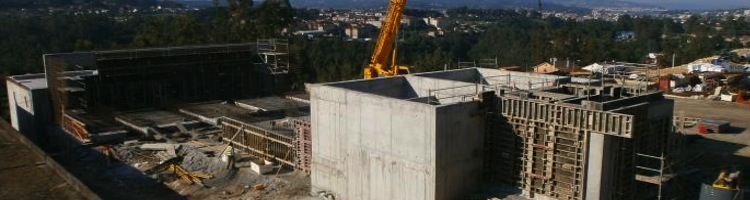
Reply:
x=697, y=4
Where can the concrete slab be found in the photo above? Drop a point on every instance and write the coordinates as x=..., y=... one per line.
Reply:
x=211, y=112
x=271, y=104
x=159, y=146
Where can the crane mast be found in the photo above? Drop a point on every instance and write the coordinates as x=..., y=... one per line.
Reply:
x=384, y=46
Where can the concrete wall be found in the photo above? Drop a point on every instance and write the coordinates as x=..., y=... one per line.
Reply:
x=604, y=150
x=12, y=89
x=30, y=111
x=460, y=148
x=470, y=75
x=521, y=80
x=458, y=92
x=371, y=147
x=394, y=87
x=599, y=169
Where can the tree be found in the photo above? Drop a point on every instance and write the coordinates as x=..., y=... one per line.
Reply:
x=273, y=16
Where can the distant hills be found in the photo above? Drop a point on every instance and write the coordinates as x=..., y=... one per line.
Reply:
x=4, y=4
x=547, y=4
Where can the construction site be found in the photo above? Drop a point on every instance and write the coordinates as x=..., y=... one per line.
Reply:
x=227, y=122
x=133, y=120
x=130, y=120
x=446, y=133
x=437, y=135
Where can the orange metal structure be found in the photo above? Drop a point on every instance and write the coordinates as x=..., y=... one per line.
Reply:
x=384, y=45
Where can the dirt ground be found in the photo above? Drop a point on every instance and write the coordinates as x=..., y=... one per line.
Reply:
x=124, y=180
x=736, y=141
x=706, y=154
x=25, y=176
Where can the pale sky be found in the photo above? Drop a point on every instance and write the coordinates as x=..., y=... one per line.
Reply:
x=697, y=4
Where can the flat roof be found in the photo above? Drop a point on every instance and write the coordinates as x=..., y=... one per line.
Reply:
x=214, y=109
x=30, y=81
x=39, y=80
x=271, y=103
x=153, y=118
x=450, y=86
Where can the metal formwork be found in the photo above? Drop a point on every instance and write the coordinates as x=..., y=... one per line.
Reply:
x=541, y=146
x=609, y=123
x=259, y=141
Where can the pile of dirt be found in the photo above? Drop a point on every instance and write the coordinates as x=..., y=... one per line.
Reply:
x=197, y=160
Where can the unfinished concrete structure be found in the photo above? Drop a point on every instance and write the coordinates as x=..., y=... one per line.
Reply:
x=28, y=101
x=121, y=81
x=436, y=135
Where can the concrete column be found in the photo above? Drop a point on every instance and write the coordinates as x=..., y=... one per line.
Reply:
x=597, y=170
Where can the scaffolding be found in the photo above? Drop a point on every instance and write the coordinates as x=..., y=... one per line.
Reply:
x=274, y=54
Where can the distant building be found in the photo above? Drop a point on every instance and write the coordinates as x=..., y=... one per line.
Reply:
x=376, y=23
x=311, y=33
x=407, y=20
x=352, y=32
x=545, y=68
x=438, y=23
x=624, y=35
x=435, y=33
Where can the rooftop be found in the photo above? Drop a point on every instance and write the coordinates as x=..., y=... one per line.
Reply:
x=445, y=87
x=30, y=81
x=272, y=103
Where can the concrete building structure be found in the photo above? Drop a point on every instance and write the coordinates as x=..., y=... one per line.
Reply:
x=436, y=135
x=93, y=106
x=29, y=104
x=406, y=137
x=442, y=135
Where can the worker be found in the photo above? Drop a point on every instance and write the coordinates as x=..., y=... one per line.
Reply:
x=229, y=153
x=107, y=154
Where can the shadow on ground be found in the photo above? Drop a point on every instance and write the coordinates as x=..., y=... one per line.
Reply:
x=110, y=180
x=734, y=130
x=700, y=162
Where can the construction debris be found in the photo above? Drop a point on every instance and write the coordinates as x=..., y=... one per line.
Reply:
x=160, y=146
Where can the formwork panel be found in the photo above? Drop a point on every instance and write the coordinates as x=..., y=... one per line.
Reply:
x=259, y=141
